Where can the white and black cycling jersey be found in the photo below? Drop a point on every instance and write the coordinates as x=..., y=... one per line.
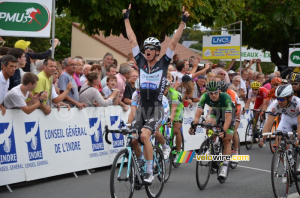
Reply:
x=293, y=110
x=152, y=83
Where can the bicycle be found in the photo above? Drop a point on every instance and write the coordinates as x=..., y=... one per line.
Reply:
x=253, y=133
x=272, y=140
x=284, y=164
x=126, y=169
x=209, y=147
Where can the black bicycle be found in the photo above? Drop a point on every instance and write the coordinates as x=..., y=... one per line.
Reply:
x=285, y=164
x=209, y=147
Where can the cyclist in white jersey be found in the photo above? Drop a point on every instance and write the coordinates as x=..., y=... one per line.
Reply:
x=287, y=105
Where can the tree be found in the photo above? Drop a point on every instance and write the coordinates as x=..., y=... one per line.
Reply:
x=271, y=26
x=149, y=18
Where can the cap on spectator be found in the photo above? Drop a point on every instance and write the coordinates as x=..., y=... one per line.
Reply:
x=186, y=78
x=201, y=77
x=22, y=44
x=221, y=63
x=214, y=65
x=231, y=72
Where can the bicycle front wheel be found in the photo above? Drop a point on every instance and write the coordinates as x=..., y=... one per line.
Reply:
x=203, y=167
x=122, y=177
x=297, y=169
x=154, y=190
x=249, y=137
x=280, y=174
x=272, y=140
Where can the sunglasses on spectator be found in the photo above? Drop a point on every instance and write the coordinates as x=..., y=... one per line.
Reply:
x=149, y=47
x=281, y=99
x=213, y=92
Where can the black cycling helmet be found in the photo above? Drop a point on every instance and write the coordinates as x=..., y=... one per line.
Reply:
x=224, y=86
x=294, y=77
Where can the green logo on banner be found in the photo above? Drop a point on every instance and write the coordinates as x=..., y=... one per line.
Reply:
x=19, y=16
x=295, y=57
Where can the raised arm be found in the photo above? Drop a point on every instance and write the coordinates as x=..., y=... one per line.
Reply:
x=130, y=34
x=179, y=31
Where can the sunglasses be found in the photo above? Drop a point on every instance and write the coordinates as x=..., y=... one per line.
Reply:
x=294, y=84
x=150, y=48
x=213, y=92
x=281, y=99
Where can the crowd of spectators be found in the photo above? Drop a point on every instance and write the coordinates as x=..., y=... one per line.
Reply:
x=32, y=81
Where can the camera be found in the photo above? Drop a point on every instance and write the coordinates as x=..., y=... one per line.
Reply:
x=52, y=41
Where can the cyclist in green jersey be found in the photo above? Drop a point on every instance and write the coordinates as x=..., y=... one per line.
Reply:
x=221, y=110
x=176, y=117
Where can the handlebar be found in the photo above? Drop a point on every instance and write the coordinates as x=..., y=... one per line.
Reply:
x=122, y=131
x=280, y=133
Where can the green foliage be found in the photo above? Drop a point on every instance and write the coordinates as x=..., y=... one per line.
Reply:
x=37, y=44
x=272, y=26
x=197, y=46
x=191, y=35
x=149, y=18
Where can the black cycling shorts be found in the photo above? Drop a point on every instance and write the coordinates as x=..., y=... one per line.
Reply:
x=148, y=117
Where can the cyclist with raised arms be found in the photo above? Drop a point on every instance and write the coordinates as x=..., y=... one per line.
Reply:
x=153, y=75
x=221, y=110
x=289, y=106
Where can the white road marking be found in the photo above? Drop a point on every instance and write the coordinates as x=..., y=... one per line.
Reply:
x=255, y=168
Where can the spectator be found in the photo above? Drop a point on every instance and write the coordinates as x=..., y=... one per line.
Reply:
x=38, y=67
x=236, y=87
x=220, y=67
x=73, y=96
x=16, y=97
x=171, y=68
x=190, y=94
x=210, y=76
x=97, y=68
x=130, y=87
x=180, y=66
x=260, y=77
x=231, y=74
x=277, y=74
x=110, y=70
x=111, y=86
x=122, y=76
x=222, y=74
x=250, y=75
x=108, y=59
x=176, y=58
x=244, y=75
x=44, y=83
x=9, y=65
x=31, y=55
x=267, y=83
x=19, y=54
x=59, y=67
x=85, y=71
x=78, y=72
x=4, y=51
x=91, y=96
x=201, y=85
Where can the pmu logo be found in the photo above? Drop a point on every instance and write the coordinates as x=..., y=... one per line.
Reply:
x=22, y=16
x=221, y=40
x=96, y=134
x=33, y=140
x=118, y=139
x=8, y=153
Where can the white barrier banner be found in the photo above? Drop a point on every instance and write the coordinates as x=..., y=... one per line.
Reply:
x=37, y=146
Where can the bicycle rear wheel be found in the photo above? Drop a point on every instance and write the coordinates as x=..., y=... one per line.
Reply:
x=203, y=167
x=174, y=150
x=122, y=178
x=154, y=190
x=168, y=163
x=249, y=137
x=272, y=140
x=297, y=167
x=280, y=174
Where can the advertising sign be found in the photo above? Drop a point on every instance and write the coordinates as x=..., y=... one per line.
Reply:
x=221, y=47
x=25, y=19
x=294, y=57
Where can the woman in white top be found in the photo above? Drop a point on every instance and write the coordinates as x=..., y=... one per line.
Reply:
x=91, y=96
